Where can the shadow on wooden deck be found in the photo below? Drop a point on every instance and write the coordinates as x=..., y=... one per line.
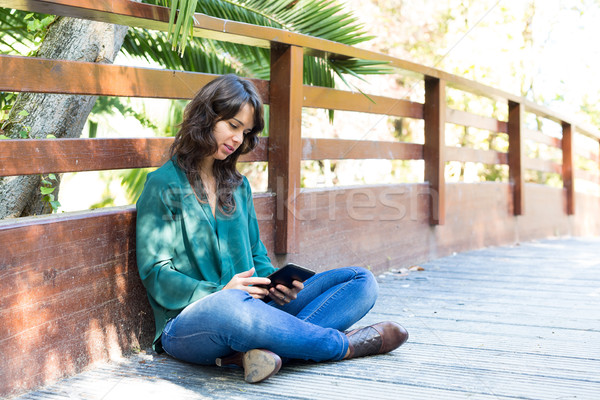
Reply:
x=507, y=322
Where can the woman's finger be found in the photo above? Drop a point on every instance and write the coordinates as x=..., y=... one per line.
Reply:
x=290, y=294
x=276, y=298
x=255, y=280
x=298, y=286
x=257, y=290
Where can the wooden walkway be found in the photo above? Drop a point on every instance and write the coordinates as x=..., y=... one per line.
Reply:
x=518, y=322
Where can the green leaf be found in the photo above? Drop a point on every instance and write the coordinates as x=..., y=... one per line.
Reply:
x=46, y=182
x=50, y=136
x=52, y=176
x=28, y=16
x=47, y=21
x=46, y=190
x=23, y=113
x=23, y=134
x=34, y=25
x=48, y=198
x=55, y=204
x=4, y=137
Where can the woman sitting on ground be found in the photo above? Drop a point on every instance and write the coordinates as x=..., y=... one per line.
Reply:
x=200, y=257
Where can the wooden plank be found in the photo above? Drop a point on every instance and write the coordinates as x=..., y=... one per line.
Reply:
x=339, y=149
x=590, y=176
x=567, y=166
x=540, y=137
x=29, y=74
x=321, y=97
x=69, y=291
x=459, y=117
x=516, y=122
x=586, y=153
x=475, y=155
x=435, y=143
x=285, y=141
x=538, y=164
x=43, y=156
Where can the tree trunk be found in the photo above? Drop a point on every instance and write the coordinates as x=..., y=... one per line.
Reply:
x=60, y=115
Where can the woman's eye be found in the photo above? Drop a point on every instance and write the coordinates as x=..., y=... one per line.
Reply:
x=233, y=125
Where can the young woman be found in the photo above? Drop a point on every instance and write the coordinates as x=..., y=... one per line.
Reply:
x=200, y=257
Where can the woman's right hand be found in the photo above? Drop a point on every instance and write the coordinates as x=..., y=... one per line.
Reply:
x=245, y=280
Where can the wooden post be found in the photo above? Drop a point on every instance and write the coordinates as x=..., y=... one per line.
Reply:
x=567, y=166
x=434, y=113
x=515, y=154
x=285, y=142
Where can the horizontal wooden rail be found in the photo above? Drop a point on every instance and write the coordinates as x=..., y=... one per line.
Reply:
x=336, y=149
x=320, y=97
x=29, y=74
x=537, y=164
x=540, y=137
x=587, y=154
x=459, y=117
x=590, y=176
x=475, y=155
x=43, y=156
x=129, y=13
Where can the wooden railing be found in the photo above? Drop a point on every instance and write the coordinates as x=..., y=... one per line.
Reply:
x=67, y=237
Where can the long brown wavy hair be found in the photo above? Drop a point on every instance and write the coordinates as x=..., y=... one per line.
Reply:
x=220, y=99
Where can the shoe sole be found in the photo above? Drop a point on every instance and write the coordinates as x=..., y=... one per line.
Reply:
x=260, y=365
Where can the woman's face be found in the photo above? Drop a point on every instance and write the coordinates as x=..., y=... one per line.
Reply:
x=229, y=133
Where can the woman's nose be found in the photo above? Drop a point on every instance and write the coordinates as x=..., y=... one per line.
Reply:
x=238, y=137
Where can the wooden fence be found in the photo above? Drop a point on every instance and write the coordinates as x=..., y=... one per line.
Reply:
x=70, y=291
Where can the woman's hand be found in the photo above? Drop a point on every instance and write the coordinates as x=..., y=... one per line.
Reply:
x=244, y=280
x=282, y=294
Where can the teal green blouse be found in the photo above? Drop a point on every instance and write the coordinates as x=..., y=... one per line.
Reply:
x=183, y=252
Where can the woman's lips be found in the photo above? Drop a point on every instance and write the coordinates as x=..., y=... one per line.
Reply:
x=229, y=148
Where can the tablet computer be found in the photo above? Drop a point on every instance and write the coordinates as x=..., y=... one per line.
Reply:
x=287, y=274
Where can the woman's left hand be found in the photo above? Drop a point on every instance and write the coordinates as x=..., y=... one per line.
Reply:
x=282, y=294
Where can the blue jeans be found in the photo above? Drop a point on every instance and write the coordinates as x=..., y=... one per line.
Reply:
x=308, y=328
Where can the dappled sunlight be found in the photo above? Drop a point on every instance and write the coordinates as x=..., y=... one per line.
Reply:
x=84, y=303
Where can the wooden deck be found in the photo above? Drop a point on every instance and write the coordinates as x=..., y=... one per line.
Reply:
x=508, y=322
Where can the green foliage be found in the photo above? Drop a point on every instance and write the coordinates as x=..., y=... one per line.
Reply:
x=133, y=181
x=324, y=19
x=6, y=103
x=22, y=32
x=47, y=188
x=180, y=28
x=7, y=100
x=154, y=47
x=38, y=26
x=108, y=106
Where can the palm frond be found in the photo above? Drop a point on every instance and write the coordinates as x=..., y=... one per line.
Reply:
x=325, y=19
x=155, y=47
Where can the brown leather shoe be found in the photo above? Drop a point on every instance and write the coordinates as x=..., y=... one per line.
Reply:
x=376, y=339
x=258, y=364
